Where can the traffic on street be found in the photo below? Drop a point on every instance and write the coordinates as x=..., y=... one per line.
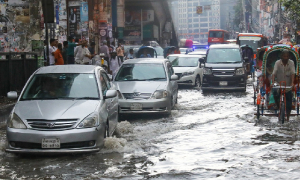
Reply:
x=149, y=89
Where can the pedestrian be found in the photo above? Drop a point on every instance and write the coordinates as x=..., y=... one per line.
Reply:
x=177, y=51
x=115, y=63
x=52, y=49
x=120, y=52
x=65, y=52
x=82, y=54
x=92, y=48
x=130, y=54
x=45, y=51
x=70, y=53
x=58, y=55
x=104, y=49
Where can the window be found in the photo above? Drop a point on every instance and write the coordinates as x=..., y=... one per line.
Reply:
x=196, y=19
x=203, y=19
x=196, y=25
x=204, y=24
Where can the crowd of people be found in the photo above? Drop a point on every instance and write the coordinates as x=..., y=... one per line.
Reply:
x=75, y=51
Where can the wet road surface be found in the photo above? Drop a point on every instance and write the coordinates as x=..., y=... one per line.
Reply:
x=208, y=136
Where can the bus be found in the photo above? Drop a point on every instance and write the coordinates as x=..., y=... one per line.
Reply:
x=254, y=40
x=218, y=36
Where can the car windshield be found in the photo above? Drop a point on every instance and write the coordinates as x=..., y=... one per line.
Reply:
x=61, y=86
x=226, y=55
x=185, y=62
x=141, y=72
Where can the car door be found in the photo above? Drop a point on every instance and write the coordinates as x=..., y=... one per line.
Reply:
x=112, y=103
x=173, y=86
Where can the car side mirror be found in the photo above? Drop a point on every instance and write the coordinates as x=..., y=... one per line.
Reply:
x=12, y=95
x=110, y=94
x=174, y=78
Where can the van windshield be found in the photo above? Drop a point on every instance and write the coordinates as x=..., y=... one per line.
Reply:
x=225, y=55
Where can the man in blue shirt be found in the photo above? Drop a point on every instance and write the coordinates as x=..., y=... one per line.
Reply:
x=71, y=47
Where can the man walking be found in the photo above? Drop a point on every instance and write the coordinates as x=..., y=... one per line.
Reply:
x=120, y=53
x=71, y=47
x=52, y=49
x=104, y=49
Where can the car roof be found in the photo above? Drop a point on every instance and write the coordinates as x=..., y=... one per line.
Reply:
x=213, y=46
x=74, y=68
x=145, y=61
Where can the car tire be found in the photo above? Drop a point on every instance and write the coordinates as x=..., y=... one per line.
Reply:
x=197, y=82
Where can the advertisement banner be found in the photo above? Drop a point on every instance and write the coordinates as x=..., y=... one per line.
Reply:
x=132, y=29
x=84, y=16
x=74, y=21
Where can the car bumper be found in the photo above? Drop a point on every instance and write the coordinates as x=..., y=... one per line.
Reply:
x=186, y=80
x=233, y=82
x=148, y=106
x=71, y=141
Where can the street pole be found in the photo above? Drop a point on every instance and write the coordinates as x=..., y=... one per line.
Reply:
x=46, y=33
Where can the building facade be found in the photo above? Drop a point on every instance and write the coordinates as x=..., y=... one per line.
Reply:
x=194, y=18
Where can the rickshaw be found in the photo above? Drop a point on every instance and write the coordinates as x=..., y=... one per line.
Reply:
x=265, y=99
x=151, y=52
x=258, y=65
x=167, y=49
x=248, y=51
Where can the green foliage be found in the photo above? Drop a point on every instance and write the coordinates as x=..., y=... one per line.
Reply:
x=292, y=7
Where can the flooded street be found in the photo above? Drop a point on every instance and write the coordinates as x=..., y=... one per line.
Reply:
x=208, y=136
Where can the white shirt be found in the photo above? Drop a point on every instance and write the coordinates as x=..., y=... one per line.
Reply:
x=115, y=63
x=78, y=53
x=52, y=49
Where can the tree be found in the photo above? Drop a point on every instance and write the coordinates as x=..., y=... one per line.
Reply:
x=292, y=7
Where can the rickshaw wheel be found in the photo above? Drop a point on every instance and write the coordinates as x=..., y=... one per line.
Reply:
x=282, y=113
x=258, y=112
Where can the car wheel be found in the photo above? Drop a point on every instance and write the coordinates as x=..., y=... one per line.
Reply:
x=106, y=130
x=197, y=82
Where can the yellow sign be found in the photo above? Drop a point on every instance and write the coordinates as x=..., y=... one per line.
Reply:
x=199, y=9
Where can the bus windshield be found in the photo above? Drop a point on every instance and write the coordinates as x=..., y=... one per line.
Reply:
x=215, y=34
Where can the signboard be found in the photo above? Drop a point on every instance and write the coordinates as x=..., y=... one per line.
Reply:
x=74, y=21
x=250, y=38
x=199, y=9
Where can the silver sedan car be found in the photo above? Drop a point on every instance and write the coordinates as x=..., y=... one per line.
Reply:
x=63, y=109
x=147, y=86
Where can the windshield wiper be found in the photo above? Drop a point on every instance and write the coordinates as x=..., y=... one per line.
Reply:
x=153, y=79
x=89, y=98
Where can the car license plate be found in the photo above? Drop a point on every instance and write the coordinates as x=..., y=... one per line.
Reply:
x=51, y=143
x=223, y=83
x=136, y=106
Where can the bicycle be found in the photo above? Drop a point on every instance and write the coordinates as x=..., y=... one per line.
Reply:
x=282, y=104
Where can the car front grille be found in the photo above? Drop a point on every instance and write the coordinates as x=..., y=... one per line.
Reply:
x=137, y=95
x=57, y=124
x=223, y=72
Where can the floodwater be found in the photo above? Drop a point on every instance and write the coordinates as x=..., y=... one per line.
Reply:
x=208, y=136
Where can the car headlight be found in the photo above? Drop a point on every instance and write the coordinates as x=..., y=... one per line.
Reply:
x=90, y=121
x=15, y=122
x=188, y=73
x=207, y=71
x=240, y=71
x=159, y=94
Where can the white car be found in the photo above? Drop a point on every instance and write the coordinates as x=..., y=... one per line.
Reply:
x=188, y=69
